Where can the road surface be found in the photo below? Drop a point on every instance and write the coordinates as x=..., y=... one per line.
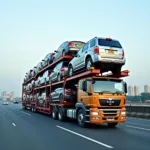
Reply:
x=24, y=130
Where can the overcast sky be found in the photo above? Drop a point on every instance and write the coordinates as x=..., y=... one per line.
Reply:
x=30, y=29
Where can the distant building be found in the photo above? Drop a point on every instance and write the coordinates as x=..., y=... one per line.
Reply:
x=12, y=95
x=146, y=88
x=136, y=90
x=4, y=94
x=130, y=90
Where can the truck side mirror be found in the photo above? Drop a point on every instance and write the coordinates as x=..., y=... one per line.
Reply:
x=125, y=87
x=84, y=86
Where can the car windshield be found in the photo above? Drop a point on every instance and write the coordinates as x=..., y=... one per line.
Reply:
x=108, y=86
x=110, y=43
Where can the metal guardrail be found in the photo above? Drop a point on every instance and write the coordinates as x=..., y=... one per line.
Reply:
x=138, y=110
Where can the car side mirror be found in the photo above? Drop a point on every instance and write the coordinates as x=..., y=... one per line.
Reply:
x=43, y=60
x=56, y=51
x=125, y=87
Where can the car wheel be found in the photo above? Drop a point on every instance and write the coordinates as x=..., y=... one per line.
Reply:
x=88, y=63
x=61, y=98
x=58, y=77
x=81, y=118
x=48, y=62
x=116, y=70
x=70, y=71
x=63, y=53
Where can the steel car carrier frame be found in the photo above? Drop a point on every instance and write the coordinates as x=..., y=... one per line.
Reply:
x=49, y=106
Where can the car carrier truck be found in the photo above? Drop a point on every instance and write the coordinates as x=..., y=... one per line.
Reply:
x=99, y=98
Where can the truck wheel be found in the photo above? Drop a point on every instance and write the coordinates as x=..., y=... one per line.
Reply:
x=54, y=113
x=88, y=63
x=61, y=114
x=111, y=125
x=81, y=118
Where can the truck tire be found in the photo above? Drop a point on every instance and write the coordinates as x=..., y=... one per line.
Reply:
x=54, y=113
x=61, y=116
x=81, y=118
x=112, y=125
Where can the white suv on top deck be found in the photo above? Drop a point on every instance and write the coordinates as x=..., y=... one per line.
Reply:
x=105, y=54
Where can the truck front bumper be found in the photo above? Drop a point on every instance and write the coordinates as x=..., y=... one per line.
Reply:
x=98, y=116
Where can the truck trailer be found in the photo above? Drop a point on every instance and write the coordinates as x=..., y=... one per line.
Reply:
x=99, y=98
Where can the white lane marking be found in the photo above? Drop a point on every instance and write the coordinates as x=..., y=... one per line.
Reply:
x=85, y=137
x=13, y=124
x=26, y=113
x=138, y=128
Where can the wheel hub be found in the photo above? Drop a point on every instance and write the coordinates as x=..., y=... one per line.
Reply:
x=81, y=118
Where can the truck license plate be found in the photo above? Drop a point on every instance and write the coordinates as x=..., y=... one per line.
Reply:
x=108, y=119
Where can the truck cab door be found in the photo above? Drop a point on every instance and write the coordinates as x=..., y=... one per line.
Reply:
x=83, y=96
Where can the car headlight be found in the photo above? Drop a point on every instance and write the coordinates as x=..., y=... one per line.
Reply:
x=123, y=113
x=94, y=113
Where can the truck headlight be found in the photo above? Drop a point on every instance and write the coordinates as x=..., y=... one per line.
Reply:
x=94, y=113
x=123, y=113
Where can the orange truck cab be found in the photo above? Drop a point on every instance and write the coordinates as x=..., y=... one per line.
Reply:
x=100, y=100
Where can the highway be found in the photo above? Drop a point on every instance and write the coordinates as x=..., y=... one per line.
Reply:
x=24, y=130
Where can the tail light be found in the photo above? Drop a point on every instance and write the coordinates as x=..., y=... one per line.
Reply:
x=122, y=52
x=70, y=44
x=96, y=50
x=67, y=91
x=62, y=69
x=109, y=39
x=52, y=54
x=49, y=75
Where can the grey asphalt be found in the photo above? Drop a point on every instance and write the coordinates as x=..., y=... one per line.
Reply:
x=24, y=130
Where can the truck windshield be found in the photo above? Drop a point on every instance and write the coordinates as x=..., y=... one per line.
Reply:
x=108, y=86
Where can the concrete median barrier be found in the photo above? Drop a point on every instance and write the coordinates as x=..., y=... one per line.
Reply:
x=142, y=111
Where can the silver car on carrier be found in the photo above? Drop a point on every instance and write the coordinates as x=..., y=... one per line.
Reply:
x=103, y=53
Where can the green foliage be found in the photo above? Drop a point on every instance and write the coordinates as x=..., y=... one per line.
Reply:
x=143, y=96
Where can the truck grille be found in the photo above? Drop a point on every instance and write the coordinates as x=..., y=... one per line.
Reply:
x=109, y=102
x=110, y=112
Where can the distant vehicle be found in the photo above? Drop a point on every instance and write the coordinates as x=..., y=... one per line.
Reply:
x=45, y=78
x=39, y=66
x=16, y=101
x=32, y=84
x=59, y=71
x=68, y=47
x=37, y=82
x=34, y=72
x=29, y=74
x=60, y=93
x=42, y=99
x=48, y=59
x=5, y=102
x=104, y=53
